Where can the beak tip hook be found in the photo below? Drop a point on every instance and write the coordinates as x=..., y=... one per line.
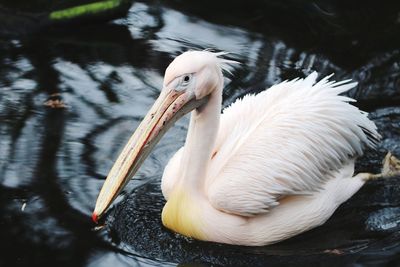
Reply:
x=95, y=218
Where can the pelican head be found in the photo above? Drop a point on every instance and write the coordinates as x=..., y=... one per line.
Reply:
x=188, y=82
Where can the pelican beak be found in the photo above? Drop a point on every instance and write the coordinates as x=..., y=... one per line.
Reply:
x=168, y=108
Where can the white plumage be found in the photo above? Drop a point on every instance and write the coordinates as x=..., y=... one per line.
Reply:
x=296, y=134
x=273, y=165
x=297, y=138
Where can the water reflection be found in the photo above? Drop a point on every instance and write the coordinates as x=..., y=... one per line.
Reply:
x=54, y=160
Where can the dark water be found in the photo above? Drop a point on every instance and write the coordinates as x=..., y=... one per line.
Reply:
x=104, y=77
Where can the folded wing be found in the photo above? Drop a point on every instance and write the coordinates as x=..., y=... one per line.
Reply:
x=287, y=140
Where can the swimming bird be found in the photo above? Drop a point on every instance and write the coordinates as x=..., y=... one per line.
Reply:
x=271, y=166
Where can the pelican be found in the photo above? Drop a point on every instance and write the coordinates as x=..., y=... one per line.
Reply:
x=271, y=166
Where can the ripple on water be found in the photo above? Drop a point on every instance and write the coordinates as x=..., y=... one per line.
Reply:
x=384, y=219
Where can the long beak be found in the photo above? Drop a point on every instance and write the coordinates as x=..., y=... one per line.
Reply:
x=168, y=108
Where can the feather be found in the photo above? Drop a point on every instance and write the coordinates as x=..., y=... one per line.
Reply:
x=287, y=140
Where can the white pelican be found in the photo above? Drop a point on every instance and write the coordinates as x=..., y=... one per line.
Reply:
x=273, y=165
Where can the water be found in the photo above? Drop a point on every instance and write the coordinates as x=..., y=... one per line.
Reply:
x=54, y=158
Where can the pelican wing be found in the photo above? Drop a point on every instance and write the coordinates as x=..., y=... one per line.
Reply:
x=287, y=140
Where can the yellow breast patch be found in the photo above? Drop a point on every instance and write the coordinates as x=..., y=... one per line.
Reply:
x=182, y=215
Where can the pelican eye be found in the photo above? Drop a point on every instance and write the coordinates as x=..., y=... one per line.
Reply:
x=185, y=79
x=184, y=82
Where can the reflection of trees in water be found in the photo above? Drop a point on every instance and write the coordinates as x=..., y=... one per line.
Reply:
x=379, y=81
x=48, y=220
x=346, y=32
x=49, y=224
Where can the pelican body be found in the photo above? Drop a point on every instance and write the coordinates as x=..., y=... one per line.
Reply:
x=271, y=166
